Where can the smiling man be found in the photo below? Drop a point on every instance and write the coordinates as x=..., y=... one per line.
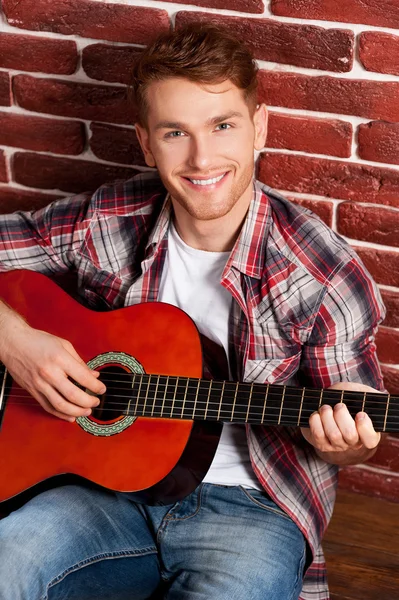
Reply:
x=288, y=300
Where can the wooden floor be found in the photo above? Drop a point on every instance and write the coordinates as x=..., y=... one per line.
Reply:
x=362, y=549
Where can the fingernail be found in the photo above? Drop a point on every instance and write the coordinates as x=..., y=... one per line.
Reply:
x=87, y=412
x=361, y=416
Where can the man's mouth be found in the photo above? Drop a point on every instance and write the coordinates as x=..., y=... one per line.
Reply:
x=211, y=182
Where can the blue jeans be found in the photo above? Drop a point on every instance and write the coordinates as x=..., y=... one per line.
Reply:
x=219, y=543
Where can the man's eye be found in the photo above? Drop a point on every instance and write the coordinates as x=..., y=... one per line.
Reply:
x=224, y=126
x=174, y=134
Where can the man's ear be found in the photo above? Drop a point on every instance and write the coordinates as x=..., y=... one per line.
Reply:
x=260, y=122
x=144, y=141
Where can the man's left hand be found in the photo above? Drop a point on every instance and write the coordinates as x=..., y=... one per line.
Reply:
x=337, y=437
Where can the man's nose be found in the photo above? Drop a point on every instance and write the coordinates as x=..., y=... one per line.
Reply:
x=201, y=153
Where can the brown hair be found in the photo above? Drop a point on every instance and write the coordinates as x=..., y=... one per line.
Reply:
x=202, y=53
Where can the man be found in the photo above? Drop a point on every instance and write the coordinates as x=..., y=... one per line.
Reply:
x=285, y=296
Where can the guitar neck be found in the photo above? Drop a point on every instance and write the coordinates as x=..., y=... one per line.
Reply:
x=261, y=404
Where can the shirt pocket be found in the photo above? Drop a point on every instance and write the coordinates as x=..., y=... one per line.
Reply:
x=273, y=370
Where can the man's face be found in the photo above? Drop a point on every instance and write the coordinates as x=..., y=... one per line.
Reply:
x=202, y=138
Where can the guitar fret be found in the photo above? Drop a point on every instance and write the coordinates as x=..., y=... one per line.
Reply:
x=234, y=402
x=207, y=400
x=342, y=397
x=174, y=398
x=386, y=412
x=301, y=406
x=164, y=395
x=3, y=385
x=321, y=398
x=264, y=406
x=138, y=396
x=249, y=401
x=196, y=398
x=364, y=401
x=281, y=407
x=146, y=393
x=130, y=399
x=155, y=396
x=185, y=398
x=221, y=400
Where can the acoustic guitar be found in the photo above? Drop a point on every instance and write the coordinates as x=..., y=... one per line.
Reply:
x=156, y=430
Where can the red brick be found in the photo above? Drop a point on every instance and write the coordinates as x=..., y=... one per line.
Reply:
x=15, y=199
x=370, y=99
x=379, y=141
x=28, y=53
x=366, y=481
x=301, y=45
x=391, y=301
x=387, y=341
x=387, y=455
x=49, y=172
x=322, y=208
x=384, y=13
x=43, y=135
x=332, y=178
x=115, y=22
x=391, y=379
x=71, y=99
x=368, y=223
x=249, y=6
x=3, y=167
x=316, y=136
x=382, y=264
x=109, y=63
x=379, y=52
x=5, y=91
x=116, y=144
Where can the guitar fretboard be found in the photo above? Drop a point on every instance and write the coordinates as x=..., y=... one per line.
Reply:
x=202, y=399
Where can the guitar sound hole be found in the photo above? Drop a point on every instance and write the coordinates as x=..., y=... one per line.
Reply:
x=115, y=400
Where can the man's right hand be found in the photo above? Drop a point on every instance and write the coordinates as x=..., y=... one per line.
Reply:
x=43, y=363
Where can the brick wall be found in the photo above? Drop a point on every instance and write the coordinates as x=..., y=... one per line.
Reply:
x=329, y=73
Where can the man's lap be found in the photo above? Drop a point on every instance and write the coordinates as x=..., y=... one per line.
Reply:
x=219, y=542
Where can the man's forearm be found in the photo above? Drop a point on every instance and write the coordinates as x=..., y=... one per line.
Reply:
x=347, y=457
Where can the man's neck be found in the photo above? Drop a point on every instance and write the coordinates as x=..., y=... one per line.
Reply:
x=213, y=235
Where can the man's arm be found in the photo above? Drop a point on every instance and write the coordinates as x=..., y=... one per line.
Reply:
x=45, y=241
x=341, y=354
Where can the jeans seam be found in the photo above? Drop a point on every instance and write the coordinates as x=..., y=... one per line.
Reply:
x=95, y=559
x=278, y=512
x=300, y=570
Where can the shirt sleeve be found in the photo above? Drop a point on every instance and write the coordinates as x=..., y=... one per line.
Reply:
x=45, y=240
x=341, y=346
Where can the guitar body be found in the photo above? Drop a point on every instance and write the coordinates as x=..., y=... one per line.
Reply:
x=158, y=460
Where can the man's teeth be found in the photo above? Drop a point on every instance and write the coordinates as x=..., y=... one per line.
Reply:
x=207, y=181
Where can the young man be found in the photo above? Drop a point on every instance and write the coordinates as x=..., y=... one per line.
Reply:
x=285, y=296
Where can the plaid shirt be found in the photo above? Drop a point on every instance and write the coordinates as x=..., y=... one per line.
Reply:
x=304, y=311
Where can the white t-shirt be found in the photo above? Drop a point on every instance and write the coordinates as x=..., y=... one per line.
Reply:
x=191, y=281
